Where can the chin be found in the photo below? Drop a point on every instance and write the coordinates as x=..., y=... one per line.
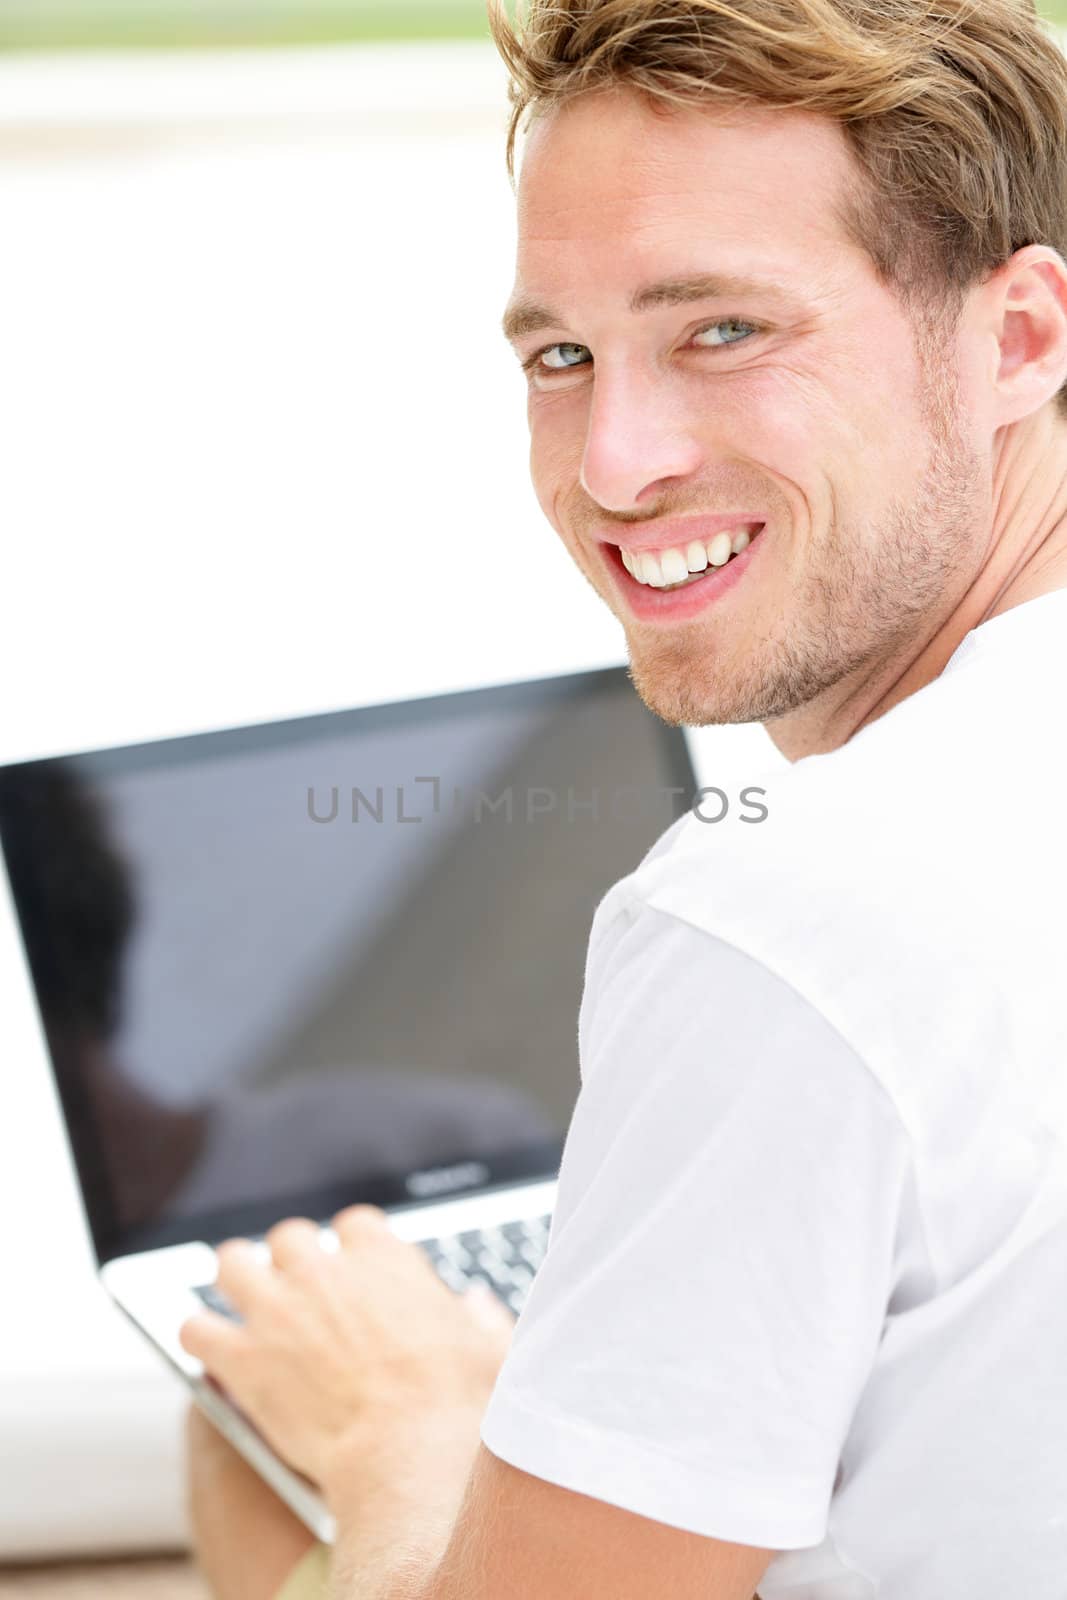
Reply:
x=672, y=693
x=685, y=685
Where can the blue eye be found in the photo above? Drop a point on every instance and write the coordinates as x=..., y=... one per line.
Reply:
x=725, y=322
x=537, y=363
x=548, y=350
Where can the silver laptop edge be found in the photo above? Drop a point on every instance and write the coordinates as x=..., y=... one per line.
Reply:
x=156, y=1290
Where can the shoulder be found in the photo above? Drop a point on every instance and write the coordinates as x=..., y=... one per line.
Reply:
x=683, y=1027
x=841, y=897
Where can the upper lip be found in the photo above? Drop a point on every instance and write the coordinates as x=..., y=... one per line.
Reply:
x=677, y=533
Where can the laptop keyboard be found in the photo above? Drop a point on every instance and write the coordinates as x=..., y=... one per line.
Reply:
x=504, y=1257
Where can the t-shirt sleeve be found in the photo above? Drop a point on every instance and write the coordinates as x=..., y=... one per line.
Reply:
x=722, y=1250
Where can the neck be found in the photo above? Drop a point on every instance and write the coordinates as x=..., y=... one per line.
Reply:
x=1024, y=556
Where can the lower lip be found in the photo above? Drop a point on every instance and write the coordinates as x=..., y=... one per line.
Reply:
x=675, y=605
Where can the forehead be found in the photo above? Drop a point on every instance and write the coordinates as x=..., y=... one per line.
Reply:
x=609, y=187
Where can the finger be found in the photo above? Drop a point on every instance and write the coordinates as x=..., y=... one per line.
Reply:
x=488, y=1309
x=362, y=1228
x=243, y=1274
x=215, y=1341
x=294, y=1241
x=358, y=1225
x=224, y=1349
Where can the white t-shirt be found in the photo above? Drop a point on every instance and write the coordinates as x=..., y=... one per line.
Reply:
x=806, y=1284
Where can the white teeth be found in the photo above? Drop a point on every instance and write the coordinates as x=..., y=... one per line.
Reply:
x=719, y=550
x=672, y=566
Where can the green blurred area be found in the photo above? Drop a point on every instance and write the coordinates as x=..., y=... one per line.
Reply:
x=200, y=24
x=203, y=24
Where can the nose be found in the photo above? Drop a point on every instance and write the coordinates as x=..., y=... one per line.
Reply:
x=639, y=439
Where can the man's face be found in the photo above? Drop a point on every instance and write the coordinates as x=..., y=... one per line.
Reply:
x=810, y=411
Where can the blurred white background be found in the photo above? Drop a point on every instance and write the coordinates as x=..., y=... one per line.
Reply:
x=264, y=453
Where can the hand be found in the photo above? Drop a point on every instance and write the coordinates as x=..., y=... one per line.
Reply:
x=340, y=1355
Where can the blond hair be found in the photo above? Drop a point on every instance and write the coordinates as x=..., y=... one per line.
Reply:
x=956, y=112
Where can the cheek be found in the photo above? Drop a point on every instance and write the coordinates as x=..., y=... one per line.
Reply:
x=815, y=428
x=871, y=388
x=779, y=420
x=557, y=440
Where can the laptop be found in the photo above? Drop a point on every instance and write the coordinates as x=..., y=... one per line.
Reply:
x=285, y=968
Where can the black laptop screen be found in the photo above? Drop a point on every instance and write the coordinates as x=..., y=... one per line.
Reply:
x=288, y=967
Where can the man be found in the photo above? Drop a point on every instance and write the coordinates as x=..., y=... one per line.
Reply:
x=801, y=1323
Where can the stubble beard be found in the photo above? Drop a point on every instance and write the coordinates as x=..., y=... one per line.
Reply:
x=866, y=596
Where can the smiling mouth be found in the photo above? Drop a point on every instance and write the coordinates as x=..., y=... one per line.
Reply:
x=702, y=559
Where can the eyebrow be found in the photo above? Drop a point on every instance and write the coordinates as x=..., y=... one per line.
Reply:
x=526, y=316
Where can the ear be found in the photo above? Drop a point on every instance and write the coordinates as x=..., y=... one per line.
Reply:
x=1027, y=307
